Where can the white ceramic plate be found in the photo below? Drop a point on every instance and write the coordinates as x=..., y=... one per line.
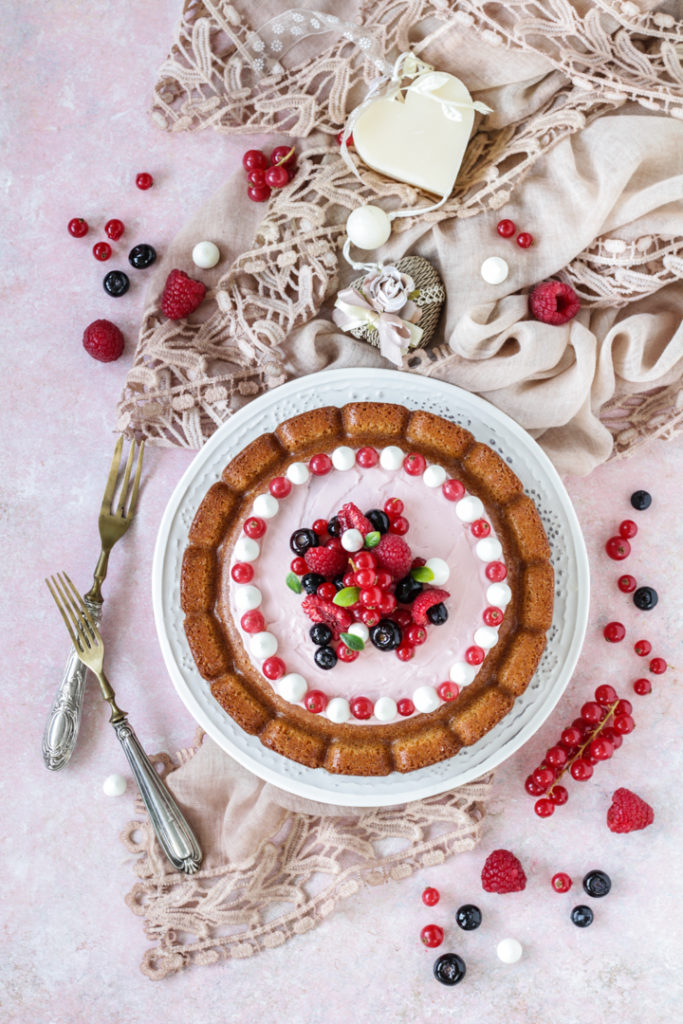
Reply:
x=541, y=481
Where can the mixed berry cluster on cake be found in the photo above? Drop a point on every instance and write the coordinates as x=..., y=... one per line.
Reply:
x=367, y=589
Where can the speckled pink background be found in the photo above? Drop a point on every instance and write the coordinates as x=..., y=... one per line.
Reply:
x=77, y=77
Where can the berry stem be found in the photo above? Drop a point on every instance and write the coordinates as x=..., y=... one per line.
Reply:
x=579, y=753
x=284, y=159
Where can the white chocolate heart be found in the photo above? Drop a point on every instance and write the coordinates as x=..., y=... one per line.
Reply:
x=418, y=140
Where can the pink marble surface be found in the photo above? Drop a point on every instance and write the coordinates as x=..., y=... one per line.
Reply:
x=76, y=81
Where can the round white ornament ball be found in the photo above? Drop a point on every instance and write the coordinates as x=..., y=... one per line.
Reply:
x=509, y=951
x=352, y=540
x=205, y=255
x=368, y=227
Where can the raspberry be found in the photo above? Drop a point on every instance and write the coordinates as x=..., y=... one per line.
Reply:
x=182, y=295
x=553, y=302
x=502, y=873
x=319, y=610
x=103, y=340
x=329, y=561
x=394, y=555
x=426, y=600
x=628, y=812
x=351, y=518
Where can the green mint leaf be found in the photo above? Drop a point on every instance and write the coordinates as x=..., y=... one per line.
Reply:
x=352, y=641
x=373, y=539
x=346, y=597
x=422, y=574
x=293, y=582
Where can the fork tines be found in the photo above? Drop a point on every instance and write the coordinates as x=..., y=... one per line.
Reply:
x=77, y=618
x=119, y=508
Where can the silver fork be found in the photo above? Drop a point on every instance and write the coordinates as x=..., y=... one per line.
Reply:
x=172, y=830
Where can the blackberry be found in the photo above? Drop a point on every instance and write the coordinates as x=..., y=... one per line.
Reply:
x=468, y=917
x=311, y=581
x=302, y=540
x=582, y=916
x=407, y=590
x=379, y=519
x=320, y=634
x=597, y=883
x=645, y=598
x=116, y=283
x=641, y=500
x=325, y=657
x=142, y=256
x=437, y=614
x=386, y=635
x=449, y=969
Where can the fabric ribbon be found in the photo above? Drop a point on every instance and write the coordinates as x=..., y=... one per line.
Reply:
x=396, y=335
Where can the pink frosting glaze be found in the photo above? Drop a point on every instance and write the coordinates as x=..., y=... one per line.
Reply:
x=435, y=531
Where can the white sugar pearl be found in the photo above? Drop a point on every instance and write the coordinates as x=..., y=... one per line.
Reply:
x=205, y=255
x=385, y=709
x=247, y=598
x=263, y=645
x=297, y=473
x=489, y=549
x=360, y=630
x=499, y=595
x=494, y=270
x=292, y=687
x=368, y=227
x=391, y=457
x=247, y=549
x=343, y=458
x=462, y=673
x=486, y=637
x=468, y=509
x=509, y=951
x=434, y=476
x=338, y=710
x=426, y=699
x=266, y=506
x=114, y=785
x=352, y=540
x=441, y=570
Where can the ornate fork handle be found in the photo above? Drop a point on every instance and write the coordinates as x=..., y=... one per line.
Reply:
x=64, y=719
x=172, y=830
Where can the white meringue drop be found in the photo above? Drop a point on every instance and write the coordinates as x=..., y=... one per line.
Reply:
x=247, y=598
x=343, y=458
x=297, y=473
x=292, y=687
x=266, y=506
x=488, y=549
x=391, y=457
x=263, y=645
x=385, y=709
x=462, y=673
x=114, y=785
x=426, y=699
x=499, y=595
x=338, y=710
x=441, y=570
x=486, y=637
x=247, y=549
x=434, y=476
x=352, y=540
x=469, y=508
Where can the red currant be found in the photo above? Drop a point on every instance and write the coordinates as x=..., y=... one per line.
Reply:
x=558, y=795
x=642, y=648
x=614, y=632
x=605, y=695
x=383, y=580
x=327, y=591
x=417, y=562
x=524, y=239
x=642, y=687
x=255, y=527
x=493, y=616
x=627, y=584
x=416, y=635
x=370, y=617
x=627, y=529
x=253, y=622
x=386, y=603
x=315, y=701
x=370, y=597
x=591, y=712
x=320, y=527
x=506, y=228
x=658, y=666
x=543, y=777
x=612, y=737
x=624, y=707
x=561, y=882
x=393, y=507
x=258, y=193
x=532, y=787
x=623, y=724
x=273, y=668
x=349, y=579
x=277, y=177
x=480, y=528
x=320, y=465
x=257, y=177
x=366, y=577
x=254, y=158
x=430, y=896
x=399, y=525
x=601, y=749
x=345, y=653
x=77, y=227
x=298, y=566
x=474, y=655
x=432, y=935
x=571, y=737
x=361, y=707
x=618, y=548
x=581, y=770
x=544, y=807
x=448, y=691
x=114, y=229
x=405, y=707
x=242, y=572
x=452, y=489
x=282, y=155
x=280, y=486
x=367, y=457
x=144, y=181
x=556, y=756
x=414, y=464
x=101, y=251
x=496, y=572
x=402, y=618
x=404, y=652
x=365, y=560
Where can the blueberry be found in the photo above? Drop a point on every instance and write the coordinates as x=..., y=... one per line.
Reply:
x=407, y=590
x=339, y=582
x=449, y=969
x=641, y=500
x=116, y=283
x=437, y=614
x=582, y=916
x=386, y=635
x=597, y=883
x=468, y=917
x=302, y=540
x=379, y=519
x=320, y=634
x=334, y=527
x=645, y=598
x=142, y=256
x=311, y=581
x=325, y=657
